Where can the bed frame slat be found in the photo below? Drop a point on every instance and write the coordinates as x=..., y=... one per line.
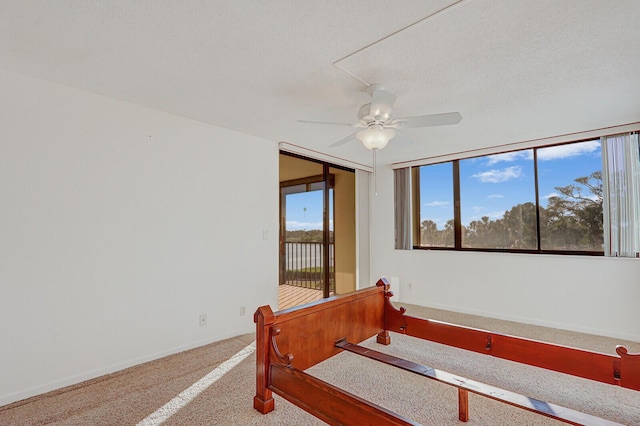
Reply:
x=557, y=412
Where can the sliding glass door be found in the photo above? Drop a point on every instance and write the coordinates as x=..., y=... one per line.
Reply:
x=306, y=234
x=317, y=230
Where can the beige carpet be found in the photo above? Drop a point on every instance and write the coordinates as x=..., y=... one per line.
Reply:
x=211, y=386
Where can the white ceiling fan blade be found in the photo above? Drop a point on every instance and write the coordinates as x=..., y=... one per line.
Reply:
x=381, y=104
x=426, y=120
x=329, y=122
x=344, y=140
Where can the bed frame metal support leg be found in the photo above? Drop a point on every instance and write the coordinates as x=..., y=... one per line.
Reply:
x=463, y=405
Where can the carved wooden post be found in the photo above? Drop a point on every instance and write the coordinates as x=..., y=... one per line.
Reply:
x=383, y=337
x=383, y=282
x=394, y=319
x=264, y=318
x=629, y=368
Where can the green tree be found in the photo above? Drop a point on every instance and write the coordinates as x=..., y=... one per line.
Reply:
x=481, y=233
x=429, y=233
x=574, y=220
x=519, y=227
x=431, y=236
x=304, y=236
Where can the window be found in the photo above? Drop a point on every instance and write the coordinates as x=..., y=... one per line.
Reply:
x=570, y=185
x=497, y=201
x=545, y=199
x=436, y=205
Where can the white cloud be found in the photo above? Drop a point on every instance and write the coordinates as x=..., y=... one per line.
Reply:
x=497, y=176
x=495, y=196
x=545, y=154
x=566, y=151
x=553, y=194
x=509, y=156
x=437, y=204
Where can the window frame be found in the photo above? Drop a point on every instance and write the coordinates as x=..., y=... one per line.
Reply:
x=415, y=176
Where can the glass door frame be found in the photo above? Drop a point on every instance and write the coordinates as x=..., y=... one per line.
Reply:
x=328, y=183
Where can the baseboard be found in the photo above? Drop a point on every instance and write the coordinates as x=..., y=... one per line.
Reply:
x=531, y=321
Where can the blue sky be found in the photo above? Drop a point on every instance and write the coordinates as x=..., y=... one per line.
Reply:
x=304, y=210
x=491, y=185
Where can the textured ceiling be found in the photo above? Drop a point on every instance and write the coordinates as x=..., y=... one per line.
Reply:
x=516, y=70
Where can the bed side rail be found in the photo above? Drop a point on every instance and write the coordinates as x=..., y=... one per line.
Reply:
x=622, y=370
x=329, y=403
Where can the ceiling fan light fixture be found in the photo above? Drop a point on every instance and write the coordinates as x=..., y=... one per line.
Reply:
x=375, y=136
x=377, y=120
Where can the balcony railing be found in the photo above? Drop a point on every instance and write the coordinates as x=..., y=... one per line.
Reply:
x=303, y=265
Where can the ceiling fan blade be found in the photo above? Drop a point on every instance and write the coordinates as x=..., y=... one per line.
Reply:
x=426, y=120
x=344, y=140
x=328, y=122
x=381, y=104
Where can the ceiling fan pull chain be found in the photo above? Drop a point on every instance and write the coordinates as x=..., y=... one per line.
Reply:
x=375, y=178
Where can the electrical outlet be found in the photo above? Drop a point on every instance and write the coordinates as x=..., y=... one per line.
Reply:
x=242, y=311
x=203, y=320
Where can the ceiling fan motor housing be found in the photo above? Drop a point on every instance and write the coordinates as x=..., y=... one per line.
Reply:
x=366, y=117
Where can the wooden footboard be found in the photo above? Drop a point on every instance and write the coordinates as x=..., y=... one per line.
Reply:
x=290, y=341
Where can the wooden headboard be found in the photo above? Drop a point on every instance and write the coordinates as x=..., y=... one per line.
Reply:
x=310, y=332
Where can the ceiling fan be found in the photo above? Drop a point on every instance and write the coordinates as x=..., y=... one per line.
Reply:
x=378, y=124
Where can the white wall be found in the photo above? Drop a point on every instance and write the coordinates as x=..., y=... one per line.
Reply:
x=119, y=226
x=581, y=293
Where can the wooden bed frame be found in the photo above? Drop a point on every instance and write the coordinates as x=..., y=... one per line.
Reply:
x=290, y=341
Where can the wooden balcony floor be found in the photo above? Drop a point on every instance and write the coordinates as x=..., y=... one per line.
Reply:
x=289, y=296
